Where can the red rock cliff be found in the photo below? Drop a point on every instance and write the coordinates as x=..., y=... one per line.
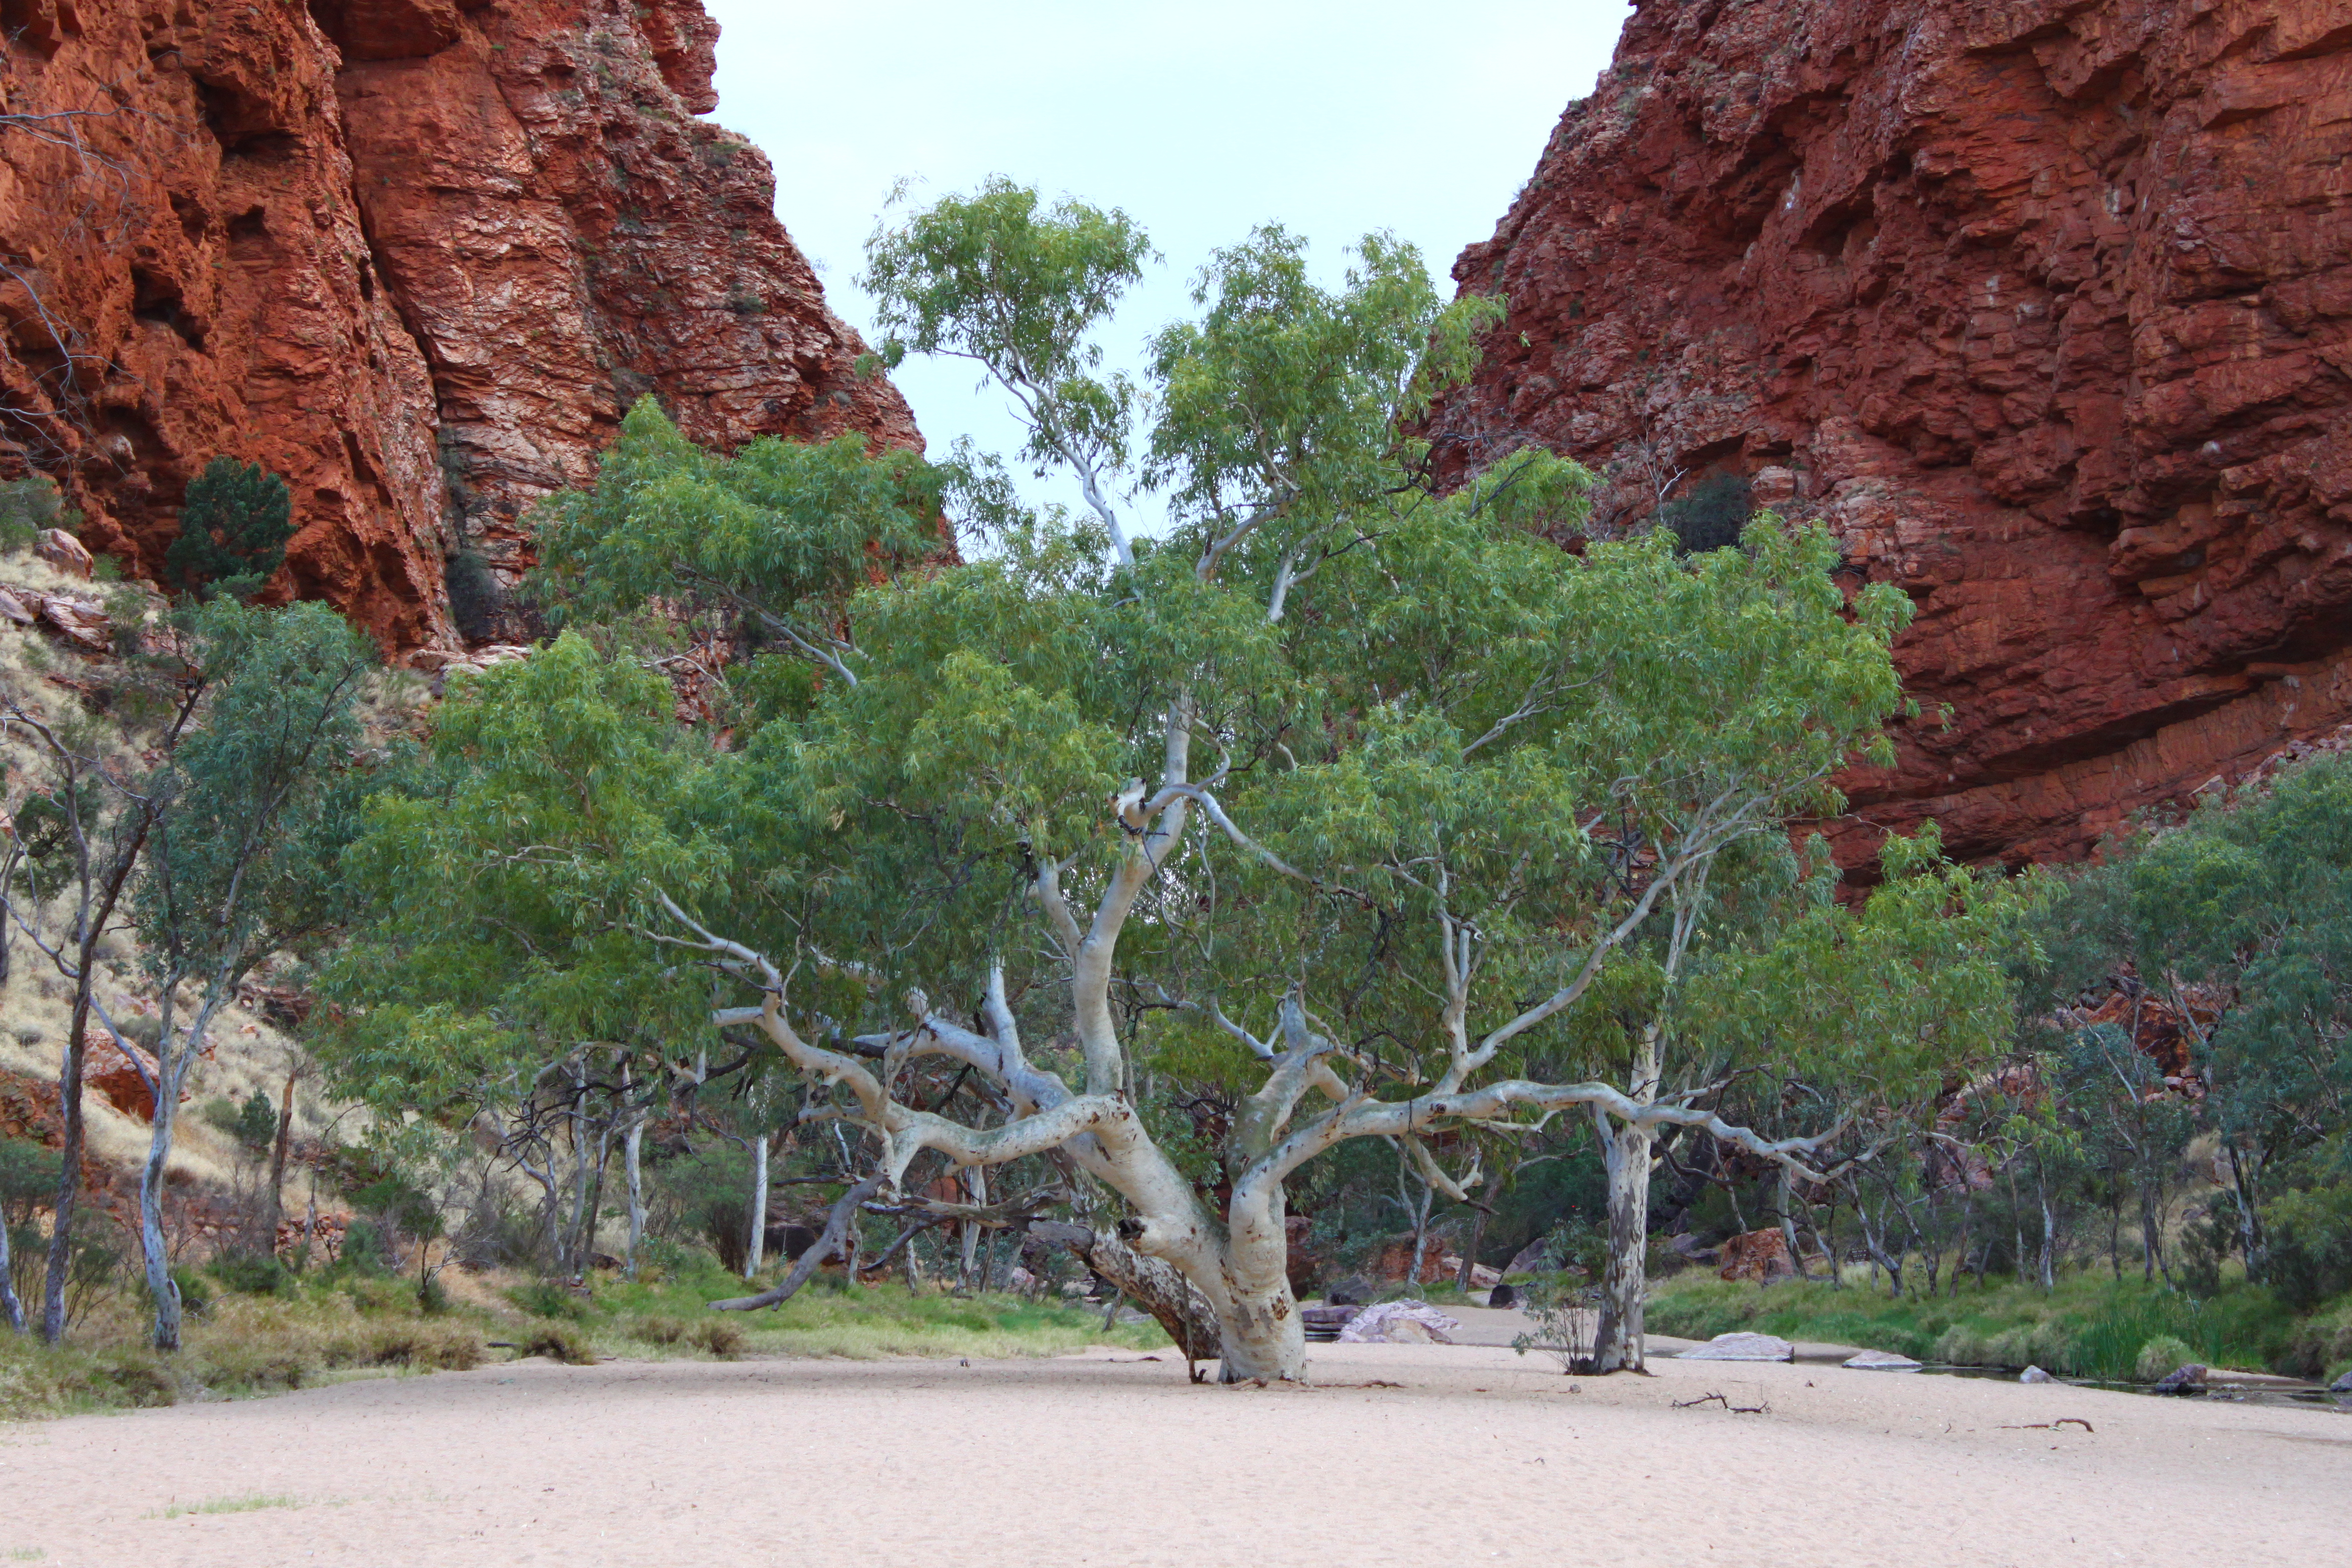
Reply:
x=2045, y=306
x=417, y=256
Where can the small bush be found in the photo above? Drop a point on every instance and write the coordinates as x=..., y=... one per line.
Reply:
x=2162, y=1357
x=233, y=531
x=659, y=1331
x=546, y=1298
x=1711, y=516
x=252, y=1274
x=2310, y=1245
x=558, y=1342
x=195, y=1293
x=26, y=507
x=720, y=1337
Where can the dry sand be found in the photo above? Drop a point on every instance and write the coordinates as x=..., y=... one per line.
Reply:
x=1400, y=1454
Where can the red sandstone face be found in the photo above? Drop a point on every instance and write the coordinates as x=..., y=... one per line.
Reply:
x=2045, y=307
x=417, y=256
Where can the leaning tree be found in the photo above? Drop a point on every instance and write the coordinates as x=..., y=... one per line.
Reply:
x=1359, y=794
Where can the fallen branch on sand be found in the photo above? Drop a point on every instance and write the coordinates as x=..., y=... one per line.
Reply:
x=1719, y=1399
x=2051, y=1425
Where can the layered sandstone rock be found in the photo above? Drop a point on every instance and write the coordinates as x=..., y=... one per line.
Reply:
x=417, y=256
x=2045, y=306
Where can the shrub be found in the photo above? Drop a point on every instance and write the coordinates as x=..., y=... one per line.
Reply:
x=253, y=1274
x=546, y=1298
x=659, y=1331
x=196, y=1294
x=26, y=507
x=1711, y=516
x=558, y=1342
x=2310, y=1245
x=2160, y=1357
x=233, y=531
x=720, y=1337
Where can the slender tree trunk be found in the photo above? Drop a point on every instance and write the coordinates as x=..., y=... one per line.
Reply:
x=2049, y=1236
x=975, y=1185
x=580, y=1220
x=631, y=1157
x=1617, y=1341
x=755, y=1250
x=2245, y=1187
x=279, y=1147
x=160, y=1283
x=1788, y=1223
x=12, y=1311
x=69, y=1157
x=1470, y=1249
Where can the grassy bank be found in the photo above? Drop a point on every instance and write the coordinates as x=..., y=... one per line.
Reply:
x=2090, y=1326
x=322, y=1330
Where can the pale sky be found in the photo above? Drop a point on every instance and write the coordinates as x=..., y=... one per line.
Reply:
x=1200, y=119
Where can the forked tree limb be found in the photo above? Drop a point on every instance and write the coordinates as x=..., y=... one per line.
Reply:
x=828, y=1245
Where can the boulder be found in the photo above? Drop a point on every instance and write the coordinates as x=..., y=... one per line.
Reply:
x=14, y=607
x=2034, y=1375
x=79, y=622
x=1880, y=1361
x=64, y=552
x=1400, y=1322
x=1349, y=1292
x=1529, y=1259
x=2188, y=1379
x=2342, y=1384
x=1760, y=1255
x=1506, y=1296
x=108, y=1066
x=1742, y=1347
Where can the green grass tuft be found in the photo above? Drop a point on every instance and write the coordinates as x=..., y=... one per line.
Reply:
x=251, y=1503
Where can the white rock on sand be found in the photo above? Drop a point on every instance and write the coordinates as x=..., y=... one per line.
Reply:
x=1117, y=1462
x=1400, y=1322
x=1742, y=1347
x=1880, y=1361
x=2034, y=1375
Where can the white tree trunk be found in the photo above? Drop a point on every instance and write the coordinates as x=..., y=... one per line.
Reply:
x=160, y=1283
x=755, y=1253
x=1617, y=1341
x=12, y=1311
x=630, y=1156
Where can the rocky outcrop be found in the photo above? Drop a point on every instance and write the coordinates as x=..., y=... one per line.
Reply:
x=416, y=255
x=2045, y=306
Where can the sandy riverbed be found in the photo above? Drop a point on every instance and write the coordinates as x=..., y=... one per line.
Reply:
x=1474, y=1456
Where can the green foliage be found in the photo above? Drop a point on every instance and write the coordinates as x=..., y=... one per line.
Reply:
x=2310, y=1237
x=254, y=1274
x=1712, y=516
x=28, y=1177
x=1018, y=289
x=233, y=531
x=256, y=1125
x=546, y=1298
x=772, y=541
x=2159, y=1357
x=2088, y=1327
x=195, y=1292
x=28, y=506
x=2241, y=919
x=264, y=793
